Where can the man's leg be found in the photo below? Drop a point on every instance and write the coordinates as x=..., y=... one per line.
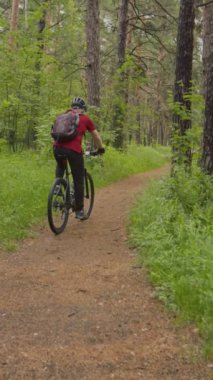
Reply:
x=76, y=161
x=61, y=163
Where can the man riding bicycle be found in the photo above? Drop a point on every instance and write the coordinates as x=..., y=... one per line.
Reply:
x=73, y=151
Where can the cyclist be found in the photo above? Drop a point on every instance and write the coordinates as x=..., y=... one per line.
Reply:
x=74, y=153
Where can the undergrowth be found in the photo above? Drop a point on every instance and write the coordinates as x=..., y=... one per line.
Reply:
x=171, y=225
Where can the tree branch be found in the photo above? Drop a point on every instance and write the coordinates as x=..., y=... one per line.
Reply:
x=58, y=22
x=165, y=10
x=203, y=5
x=148, y=32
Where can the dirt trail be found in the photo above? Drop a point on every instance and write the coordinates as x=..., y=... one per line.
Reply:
x=77, y=306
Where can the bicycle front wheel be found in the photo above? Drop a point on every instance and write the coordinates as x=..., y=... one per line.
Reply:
x=89, y=194
x=57, y=210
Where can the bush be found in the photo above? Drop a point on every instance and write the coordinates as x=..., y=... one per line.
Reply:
x=172, y=228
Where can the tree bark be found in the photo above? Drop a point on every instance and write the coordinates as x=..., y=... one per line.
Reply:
x=122, y=31
x=31, y=132
x=183, y=77
x=14, y=15
x=207, y=154
x=26, y=13
x=42, y=22
x=14, y=21
x=121, y=94
x=93, y=52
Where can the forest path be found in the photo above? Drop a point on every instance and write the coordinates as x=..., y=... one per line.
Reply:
x=77, y=306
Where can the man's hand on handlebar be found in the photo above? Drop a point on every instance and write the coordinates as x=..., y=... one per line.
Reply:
x=96, y=152
x=101, y=150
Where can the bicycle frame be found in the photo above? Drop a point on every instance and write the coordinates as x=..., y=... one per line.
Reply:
x=61, y=199
x=67, y=178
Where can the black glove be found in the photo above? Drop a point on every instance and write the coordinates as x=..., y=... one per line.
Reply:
x=101, y=151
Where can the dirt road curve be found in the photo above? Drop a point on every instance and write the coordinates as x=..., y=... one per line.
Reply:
x=77, y=307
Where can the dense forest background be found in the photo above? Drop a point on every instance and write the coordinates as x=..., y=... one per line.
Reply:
x=119, y=56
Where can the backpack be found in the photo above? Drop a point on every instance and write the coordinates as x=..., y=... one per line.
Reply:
x=65, y=126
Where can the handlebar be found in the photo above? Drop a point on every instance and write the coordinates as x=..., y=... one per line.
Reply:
x=97, y=152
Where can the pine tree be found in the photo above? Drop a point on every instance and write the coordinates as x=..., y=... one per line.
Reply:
x=93, y=52
x=207, y=156
x=183, y=78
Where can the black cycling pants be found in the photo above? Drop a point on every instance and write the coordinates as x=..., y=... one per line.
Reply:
x=76, y=162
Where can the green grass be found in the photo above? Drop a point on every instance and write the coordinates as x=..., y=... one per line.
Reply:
x=117, y=165
x=24, y=187
x=171, y=226
x=26, y=179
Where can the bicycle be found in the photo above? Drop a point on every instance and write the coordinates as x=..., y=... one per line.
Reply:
x=61, y=199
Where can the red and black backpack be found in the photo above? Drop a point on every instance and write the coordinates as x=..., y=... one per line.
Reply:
x=65, y=127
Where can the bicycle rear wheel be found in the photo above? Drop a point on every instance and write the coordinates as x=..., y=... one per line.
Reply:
x=89, y=194
x=57, y=210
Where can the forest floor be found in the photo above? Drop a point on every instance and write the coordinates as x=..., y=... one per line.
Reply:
x=78, y=307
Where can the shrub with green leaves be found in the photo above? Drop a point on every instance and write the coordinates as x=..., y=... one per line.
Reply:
x=172, y=227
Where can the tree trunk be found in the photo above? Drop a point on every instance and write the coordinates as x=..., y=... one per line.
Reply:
x=14, y=21
x=122, y=31
x=14, y=15
x=120, y=90
x=93, y=52
x=183, y=77
x=42, y=23
x=26, y=13
x=31, y=132
x=207, y=154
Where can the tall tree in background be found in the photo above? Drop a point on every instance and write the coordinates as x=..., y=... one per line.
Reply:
x=13, y=117
x=14, y=20
x=207, y=156
x=26, y=13
x=41, y=27
x=31, y=131
x=119, y=112
x=183, y=77
x=14, y=15
x=122, y=31
x=93, y=52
